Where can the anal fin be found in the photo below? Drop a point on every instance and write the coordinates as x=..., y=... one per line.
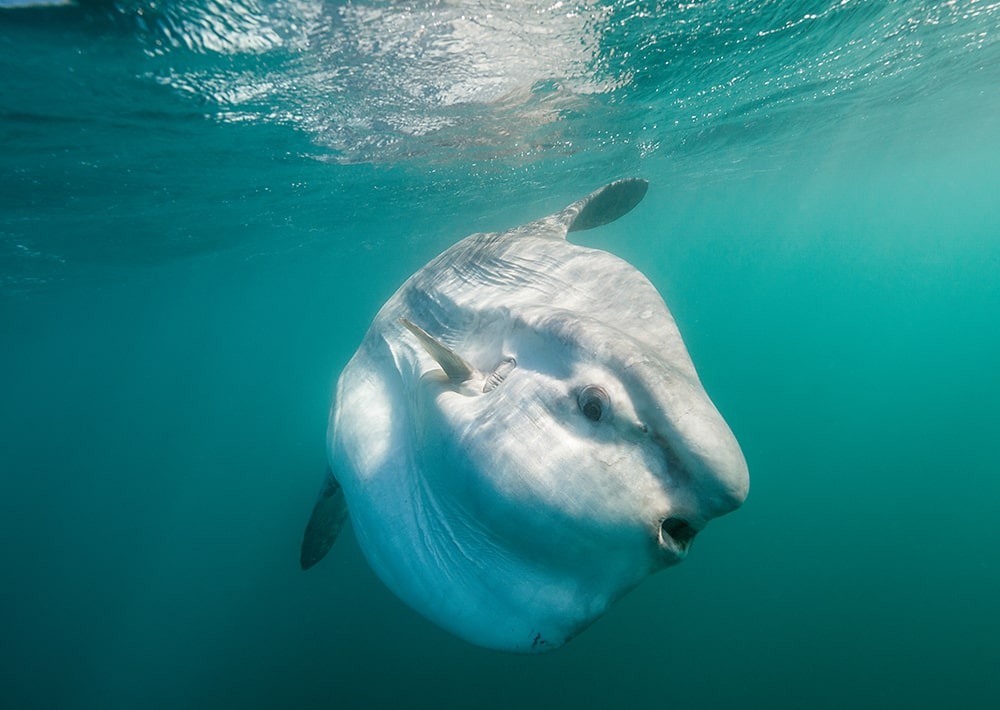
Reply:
x=327, y=519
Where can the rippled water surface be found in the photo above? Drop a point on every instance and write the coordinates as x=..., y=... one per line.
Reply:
x=203, y=204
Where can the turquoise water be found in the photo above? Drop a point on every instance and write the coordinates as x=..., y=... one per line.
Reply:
x=202, y=205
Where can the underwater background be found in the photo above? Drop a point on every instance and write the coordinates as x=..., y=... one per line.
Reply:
x=203, y=204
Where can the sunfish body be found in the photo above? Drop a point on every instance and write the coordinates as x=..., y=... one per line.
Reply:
x=522, y=437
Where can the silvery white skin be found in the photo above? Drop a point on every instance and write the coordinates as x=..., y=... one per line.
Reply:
x=522, y=437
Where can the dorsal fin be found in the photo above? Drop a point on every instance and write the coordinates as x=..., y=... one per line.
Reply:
x=457, y=369
x=604, y=205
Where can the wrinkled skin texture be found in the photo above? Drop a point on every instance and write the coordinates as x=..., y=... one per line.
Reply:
x=514, y=517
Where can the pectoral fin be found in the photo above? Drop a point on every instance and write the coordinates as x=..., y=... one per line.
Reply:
x=328, y=516
x=457, y=369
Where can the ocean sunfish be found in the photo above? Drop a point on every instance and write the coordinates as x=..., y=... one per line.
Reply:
x=522, y=438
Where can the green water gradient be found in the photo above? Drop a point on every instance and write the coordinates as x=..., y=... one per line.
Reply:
x=179, y=294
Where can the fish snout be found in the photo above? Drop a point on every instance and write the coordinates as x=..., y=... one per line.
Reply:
x=725, y=480
x=704, y=477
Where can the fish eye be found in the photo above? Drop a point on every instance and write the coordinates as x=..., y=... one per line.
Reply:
x=594, y=402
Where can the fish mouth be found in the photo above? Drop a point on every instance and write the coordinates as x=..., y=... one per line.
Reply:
x=675, y=536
